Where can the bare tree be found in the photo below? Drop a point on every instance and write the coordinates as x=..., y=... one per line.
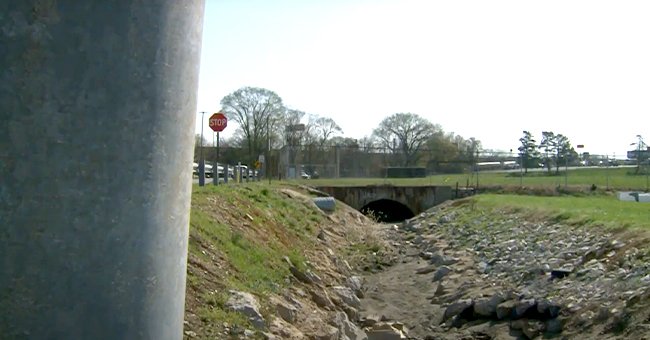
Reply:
x=257, y=111
x=406, y=133
x=324, y=129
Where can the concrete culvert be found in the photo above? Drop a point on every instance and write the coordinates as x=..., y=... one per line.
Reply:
x=385, y=210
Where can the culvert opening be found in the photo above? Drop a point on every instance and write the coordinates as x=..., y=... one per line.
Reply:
x=387, y=211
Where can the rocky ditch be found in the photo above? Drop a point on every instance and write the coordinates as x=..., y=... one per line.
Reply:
x=497, y=276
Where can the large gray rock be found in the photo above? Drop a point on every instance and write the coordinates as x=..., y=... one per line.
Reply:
x=246, y=304
x=347, y=296
x=441, y=273
x=347, y=329
x=505, y=310
x=442, y=260
x=321, y=298
x=356, y=284
x=487, y=307
x=522, y=307
x=457, y=308
x=285, y=310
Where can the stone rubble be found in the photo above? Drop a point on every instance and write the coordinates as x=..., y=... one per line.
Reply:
x=546, y=276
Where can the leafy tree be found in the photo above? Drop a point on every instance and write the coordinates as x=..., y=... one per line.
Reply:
x=557, y=149
x=563, y=151
x=528, y=150
x=257, y=111
x=406, y=133
x=548, y=145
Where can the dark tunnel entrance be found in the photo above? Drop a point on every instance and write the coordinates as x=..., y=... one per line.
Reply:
x=385, y=210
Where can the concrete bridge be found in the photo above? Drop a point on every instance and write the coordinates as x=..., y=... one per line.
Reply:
x=390, y=203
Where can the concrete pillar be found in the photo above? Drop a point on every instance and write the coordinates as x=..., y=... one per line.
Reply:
x=97, y=111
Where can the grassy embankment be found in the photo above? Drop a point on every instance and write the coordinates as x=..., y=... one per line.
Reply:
x=604, y=211
x=239, y=235
x=617, y=178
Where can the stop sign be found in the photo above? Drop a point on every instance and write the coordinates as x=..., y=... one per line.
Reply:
x=218, y=121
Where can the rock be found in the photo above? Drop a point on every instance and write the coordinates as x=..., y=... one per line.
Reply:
x=560, y=273
x=321, y=235
x=347, y=296
x=302, y=277
x=248, y=333
x=548, y=309
x=269, y=336
x=426, y=270
x=383, y=331
x=246, y=303
x=457, y=308
x=328, y=333
x=440, y=260
x=321, y=298
x=427, y=255
x=286, y=311
x=532, y=329
x=347, y=329
x=440, y=289
x=356, y=284
x=482, y=267
x=191, y=334
x=487, y=307
x=313, y=277
x=522, y=307
x=441, y=273
x=370, y=320
x=444, y=219
x=554, y=326
x=505, y=310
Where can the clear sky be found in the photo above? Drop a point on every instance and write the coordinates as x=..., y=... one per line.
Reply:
x=483, y=69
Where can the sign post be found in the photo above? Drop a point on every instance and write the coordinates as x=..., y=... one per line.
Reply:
x=218, y=123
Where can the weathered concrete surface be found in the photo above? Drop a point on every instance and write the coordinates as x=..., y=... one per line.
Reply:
x=416, y=198
x=97, y=111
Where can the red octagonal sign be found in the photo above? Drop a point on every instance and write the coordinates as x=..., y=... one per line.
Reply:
x=218, y=121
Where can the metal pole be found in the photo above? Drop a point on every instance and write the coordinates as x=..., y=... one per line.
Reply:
x=215, y=167
x=202, y=160
x=606, y=171
x=268, y=149
x=566, y=170
x=97, y=113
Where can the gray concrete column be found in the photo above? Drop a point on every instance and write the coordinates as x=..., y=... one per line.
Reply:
x=97, y=111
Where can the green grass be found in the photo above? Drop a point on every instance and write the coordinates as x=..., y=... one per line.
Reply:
x=614, y=178
x=605, y=211
x=250, y=228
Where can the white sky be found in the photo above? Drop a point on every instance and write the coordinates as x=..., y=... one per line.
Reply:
x=483, y=69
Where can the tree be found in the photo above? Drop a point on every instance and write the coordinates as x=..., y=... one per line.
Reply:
x=324, y=129
x=563, y=150
x=558, y=147
x=257, y=111
x=527, y=150
x=548, y=145
x=406, y=133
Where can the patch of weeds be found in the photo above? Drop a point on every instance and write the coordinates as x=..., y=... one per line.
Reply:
x=237, y=239
x=297, y=260
x=265, y=191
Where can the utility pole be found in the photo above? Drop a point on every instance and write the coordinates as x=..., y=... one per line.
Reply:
x=97, y=116
x=202, y=160
x=268, y=148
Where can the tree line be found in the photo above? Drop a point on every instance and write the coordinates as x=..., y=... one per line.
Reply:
x=553, y=150
x=263, y=121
